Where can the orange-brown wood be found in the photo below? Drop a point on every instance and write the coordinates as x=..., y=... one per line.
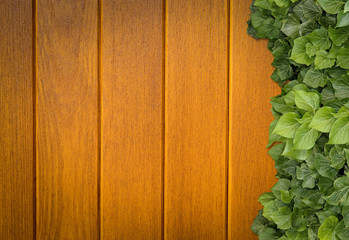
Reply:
x=251, y=170
x=132, y=122
x=196, y=119
x=67, y=109
x=16, y=120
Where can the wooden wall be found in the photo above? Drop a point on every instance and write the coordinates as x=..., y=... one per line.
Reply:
x=129, y=119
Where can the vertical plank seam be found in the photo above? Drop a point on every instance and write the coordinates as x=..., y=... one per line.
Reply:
x=34, y=99
x=228, y=152
x=164, y=32
x=164, y=95
x=99, y=164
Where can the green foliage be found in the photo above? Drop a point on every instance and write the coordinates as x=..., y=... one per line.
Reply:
x=309, y=137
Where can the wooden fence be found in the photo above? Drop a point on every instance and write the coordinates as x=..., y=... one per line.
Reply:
x=132, y=119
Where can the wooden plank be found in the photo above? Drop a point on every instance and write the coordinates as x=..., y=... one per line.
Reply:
x=251, y=170
x=16, y=120
x=67, y=133
x=132, y=82
x=196, y=119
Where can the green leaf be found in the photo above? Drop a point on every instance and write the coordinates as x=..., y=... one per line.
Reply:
x=260, y=223
x=291, y=26
x=345, y=214
x=268, y=234
x=332, y=6
x=341, y=87
x=273, y=137
x=346, y=7
x=338, y=36
x=320, y=39
x=323, y=119
x=343, y=58
x=311, y=50
x=290, y=152
x=265, y=198
x=287, y=125
x=265, y=4
x=341, y=231
x=269, y=209
x=323, y=166
x=337, y=157
x=341, y=194
x=322, y=60
x=299, y=54
x=276, y=151
x=307, y=175
x=282, y=184
x=283, y=3
x=282, y=218
x=315, y=78
x=327, y=229
x=305, y=137
x=342, y=19
x=309, y=101
x=311, y=11
x=339, y=133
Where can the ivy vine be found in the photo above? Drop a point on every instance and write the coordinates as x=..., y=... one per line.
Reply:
x=309, y=137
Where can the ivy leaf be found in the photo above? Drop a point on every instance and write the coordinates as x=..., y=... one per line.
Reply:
x=346, y=7
x=290, y=152
x=287, y=125
x=299, y=54
x=265, y=198
x=341, y=230
x=311, y=50
x=268, y=234
x=311, y=11
x=342, y=19
x=260, y=223
x=320, y=39
x=345, y=214
x=337, y=157
x=327, y=229
x=341, y=194
x=332, y=6
x=323, y=60
x=305, y=137
x=309, y=101
x=291, y=25
x=323, y=166
x=323, y=119
x=282, y=217
x=343, y=58
x=338, y=36
x=307, y=175
x=265, y=4
x=281, y=185
x=339, y=133
x=341, y=87
x=315, y=78
x=283, y=3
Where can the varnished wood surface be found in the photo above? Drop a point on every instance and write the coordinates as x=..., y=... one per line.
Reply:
x=67, y=129
x=139, y=120
x=16, y=120
x=251, y=170
x=196, y=119
x=132, y=119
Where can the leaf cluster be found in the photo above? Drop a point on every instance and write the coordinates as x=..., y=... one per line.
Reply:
x=309, y=137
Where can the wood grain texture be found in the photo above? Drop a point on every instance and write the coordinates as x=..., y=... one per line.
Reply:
x=16, y=120
x=251, y=170
x=132, y=82
x=67, y=109
x=196, y=119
